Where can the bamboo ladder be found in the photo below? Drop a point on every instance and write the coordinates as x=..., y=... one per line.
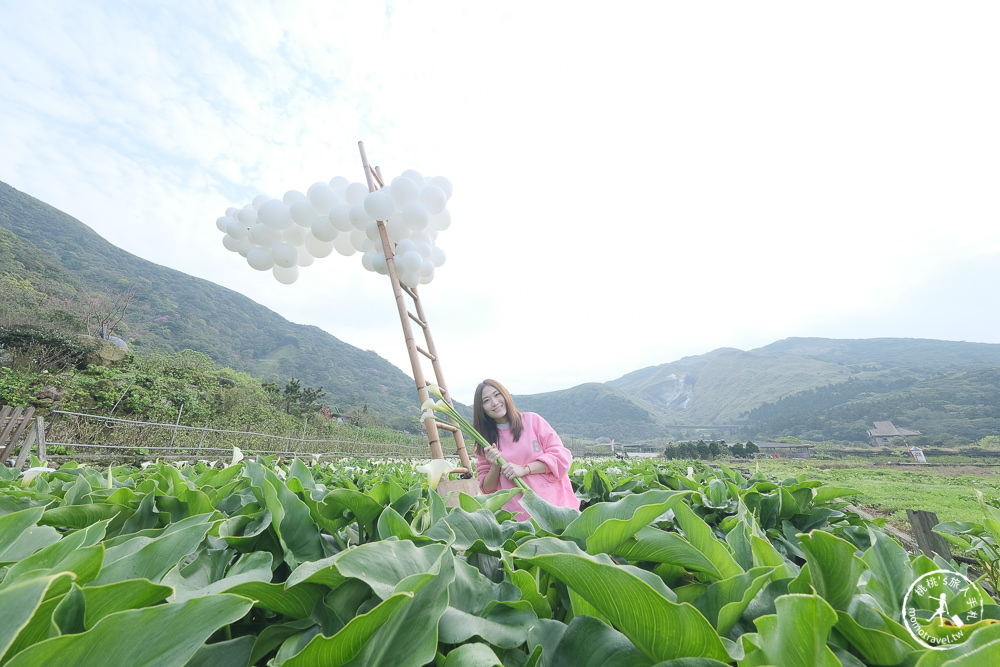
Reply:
x=375, y=182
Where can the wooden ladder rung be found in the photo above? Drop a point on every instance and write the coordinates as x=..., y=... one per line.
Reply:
x=420, y=322
x=425, y=353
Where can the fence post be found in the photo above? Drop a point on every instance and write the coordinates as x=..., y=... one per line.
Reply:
x=174, y=435
x=929, y=542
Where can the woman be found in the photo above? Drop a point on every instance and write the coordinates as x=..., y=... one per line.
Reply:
x=530, y=447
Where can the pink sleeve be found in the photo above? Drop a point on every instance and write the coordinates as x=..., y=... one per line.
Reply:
x=483, y=466
x=554, y=454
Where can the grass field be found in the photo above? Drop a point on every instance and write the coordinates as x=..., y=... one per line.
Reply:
x=890, y=489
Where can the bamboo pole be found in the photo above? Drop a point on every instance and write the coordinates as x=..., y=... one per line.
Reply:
x=430, y=423
x=463, y=455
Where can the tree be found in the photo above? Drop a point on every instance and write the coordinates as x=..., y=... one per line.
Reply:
x=294, y=398
x=298, y=400
x=990, y=442
x=103, y=314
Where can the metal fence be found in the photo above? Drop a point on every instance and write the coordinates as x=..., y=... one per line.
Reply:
x=111, y=435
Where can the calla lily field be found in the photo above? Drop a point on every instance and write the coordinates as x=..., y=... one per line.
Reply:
x=277, y=562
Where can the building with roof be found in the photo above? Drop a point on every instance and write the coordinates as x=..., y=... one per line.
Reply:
x=885, y=431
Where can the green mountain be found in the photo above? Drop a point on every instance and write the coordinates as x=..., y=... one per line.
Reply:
x=813, y=388
x=47, y=256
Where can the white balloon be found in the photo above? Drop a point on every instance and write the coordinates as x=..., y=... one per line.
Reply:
x=247, y=216
x=244, y=245
x=408, y=262
x=368, y=244
x=421, y=239
x=323, y=229
x=368, y=260
x=295, y=235
x=322, y=197
x=260, y=258
x=405, y=245
x=286, y=275
x=275, y=214
x=423, y=249
x=340, y=217
x=441, y=221
x=305, y=257
x=343, y=245
x=414, y=176
x=235, y=229
x=379, y=264
x=303, y=213
x=443, y=183
x=318, y=248
x=359, y=216
x=379, y=206
x=222, y=224
x=293, y=196
x=355, y=193
x=426, y=268
x=285, y=254
x=433, y=198
x=232, y=212
x=403, y=191
x=358, y=239
x=416, y=216
x=437, y=256
x=258, y=200
x=371, y=231
x=231, y=244
x=339, y=183
x=264, y=236
x=396, y=229
x=426, y=279
x=409, y=278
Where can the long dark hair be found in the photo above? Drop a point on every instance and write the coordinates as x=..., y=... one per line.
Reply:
x=486, y=425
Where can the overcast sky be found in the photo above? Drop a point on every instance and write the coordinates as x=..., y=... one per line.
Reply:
x=634, y=182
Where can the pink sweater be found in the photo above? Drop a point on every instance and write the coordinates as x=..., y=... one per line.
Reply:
x=539, y=442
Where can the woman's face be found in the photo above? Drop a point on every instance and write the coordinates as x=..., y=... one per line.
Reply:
x=493, y=404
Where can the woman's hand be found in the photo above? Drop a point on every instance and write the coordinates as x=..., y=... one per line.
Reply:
x=513, y=470
x=492, y=454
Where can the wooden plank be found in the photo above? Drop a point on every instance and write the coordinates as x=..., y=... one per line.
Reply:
x=42, y=456
x=929, y=542
x=20, y=419
x=26, y=444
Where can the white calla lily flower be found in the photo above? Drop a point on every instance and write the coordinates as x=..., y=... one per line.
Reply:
x=32, y=473
x=237, y=456
x=435, y=470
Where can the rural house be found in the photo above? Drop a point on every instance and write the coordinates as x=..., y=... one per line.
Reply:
x=886, y=431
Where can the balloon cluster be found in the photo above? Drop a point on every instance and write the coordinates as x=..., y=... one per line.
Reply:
x=283, y=235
